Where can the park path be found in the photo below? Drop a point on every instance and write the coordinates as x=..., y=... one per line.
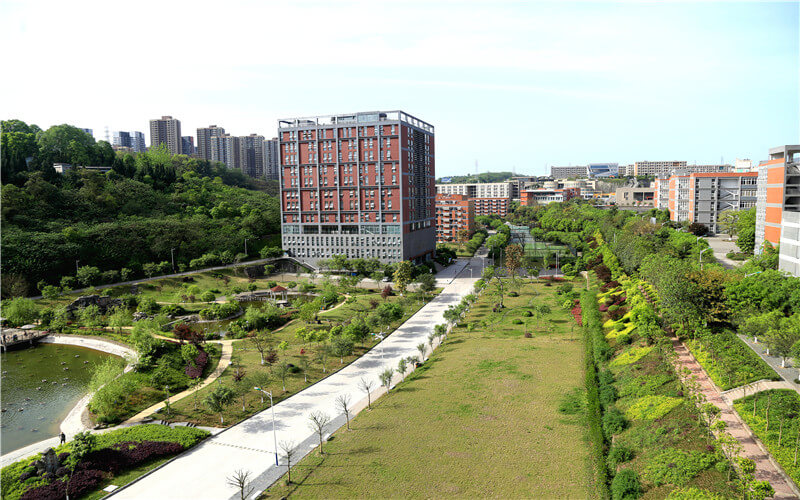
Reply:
x=732, y=395
x=788, y=373
x=224, y=362
x=202, y=472
x=766, y=468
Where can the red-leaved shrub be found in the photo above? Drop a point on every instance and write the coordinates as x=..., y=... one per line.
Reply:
x=83, y=481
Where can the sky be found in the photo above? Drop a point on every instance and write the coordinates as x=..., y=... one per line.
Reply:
x=508, y=85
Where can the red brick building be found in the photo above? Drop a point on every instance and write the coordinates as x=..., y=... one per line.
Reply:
x=359, y=185
x=454, y=213
x=490, y=206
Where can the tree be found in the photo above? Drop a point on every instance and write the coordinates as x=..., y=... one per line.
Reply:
x=289, y=451
x=240, y=480
x=82, y=444
x=262, y=341
x=318, y=422
x=746, y=227
x=88, y=275
x=427, y=282
x=366, y=386
x=218, y=399
x=513, y=259
x=386, y=292
x=493, y=276
x=282, y=371
x=386, y=378
x=342, y=346
x=403, y=274
x=321, y=355
x=402, y=366
x=343, y=403
x=20, y=311
x=781, y=339
x=421, y=349
x=50, y=292
x=728, y=221
x=270, y=252
x=119, y=317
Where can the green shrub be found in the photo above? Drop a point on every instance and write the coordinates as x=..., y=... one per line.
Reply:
x=608, y=394
x=619, y=454
x=516, y=321
x=631, y=356
x=624, y=339
x=678, y=467
x=626, y=486
x=693, y=493
x=208, y=296
x=573, y=402
x=652, y=407
x=148, y=305
x=527, y=314
x=613, y=422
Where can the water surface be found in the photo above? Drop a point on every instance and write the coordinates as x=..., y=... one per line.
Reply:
x=44, y=382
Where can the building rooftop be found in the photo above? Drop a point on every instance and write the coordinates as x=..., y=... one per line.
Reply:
x=361, y=118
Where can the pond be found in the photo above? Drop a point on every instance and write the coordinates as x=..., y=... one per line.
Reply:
x=40, y=385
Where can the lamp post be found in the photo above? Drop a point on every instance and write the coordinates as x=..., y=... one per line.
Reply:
x=172, y=257
x=701, y=257
x=166, y=389
x=272, y=407
x=245, y=247
x=76, y=267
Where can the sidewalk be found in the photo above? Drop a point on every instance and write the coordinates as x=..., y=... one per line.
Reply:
x=766, y=468
x=202, y=471
x=789, y=374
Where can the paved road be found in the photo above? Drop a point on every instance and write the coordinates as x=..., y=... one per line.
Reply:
x=203, y=471
x=720, y=246
x=766, y=468
x=789, y=374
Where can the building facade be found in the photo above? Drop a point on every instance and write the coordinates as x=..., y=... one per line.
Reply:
x=166, y=130
x=533, y=197
x=204, y=136
x=603, y=169
x=489, y=198
x=359, y=185
x=187, y=145
x=251, y=155
x=132, y=140
x=778, y=206
x=566, y=172
x=635, y=197
x=271, y=162
x=454, y=213
x=225, y=149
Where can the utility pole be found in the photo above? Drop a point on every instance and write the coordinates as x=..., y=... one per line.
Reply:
x=76, y=266
x=172, y=257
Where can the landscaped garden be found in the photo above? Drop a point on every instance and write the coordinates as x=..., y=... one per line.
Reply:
x=774, y=416
x=90, y=462
x=478, y=419
x=728, y=361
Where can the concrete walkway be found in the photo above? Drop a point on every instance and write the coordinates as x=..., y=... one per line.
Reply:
x=732, y=395
x=202, y=472
x=720, y=246
x=789, y=373
x=766, y=468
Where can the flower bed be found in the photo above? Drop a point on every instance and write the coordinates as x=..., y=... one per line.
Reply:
x=729, y=361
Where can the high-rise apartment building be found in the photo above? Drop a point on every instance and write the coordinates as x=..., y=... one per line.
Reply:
x=778, y=206
x=701, y=197
x=454, y=213
x=134, y=141
x=226, y=149
x=360, y=185
x=489, y=197
x=204, y=136
x=166, y=130
x=271, y=159
x=251, y=155
x=187, y=145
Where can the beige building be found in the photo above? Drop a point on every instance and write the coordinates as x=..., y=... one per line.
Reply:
x=166, y=130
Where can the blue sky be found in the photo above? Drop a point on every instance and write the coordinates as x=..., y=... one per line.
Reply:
x=519, y=85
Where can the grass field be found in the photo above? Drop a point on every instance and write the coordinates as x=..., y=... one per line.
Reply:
x=479, y=419
x=245, y=356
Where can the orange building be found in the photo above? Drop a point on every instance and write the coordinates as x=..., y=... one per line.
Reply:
x=778, y=206
x=454, y=213
x=491, y=206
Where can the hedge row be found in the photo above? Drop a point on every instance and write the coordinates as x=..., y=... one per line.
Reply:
x=595, y=351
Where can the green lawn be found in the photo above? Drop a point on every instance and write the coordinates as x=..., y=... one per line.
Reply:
x=784, y=425
x=249, y=360
x=479, y=419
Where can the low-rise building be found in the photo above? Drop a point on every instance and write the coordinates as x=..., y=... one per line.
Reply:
x=489, y=198
x=532, y=197
x=635, y=196
x=564, y=172
x=454, y=213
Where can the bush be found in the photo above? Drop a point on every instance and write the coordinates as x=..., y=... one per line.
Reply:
x=619, y=454
x=82, y=482
x=626, y=486
x=516, y=321
x=678, y=467
x=613, y=422
x=208, y=296
x=513, y=294
x=148, y=305
x=173, y=310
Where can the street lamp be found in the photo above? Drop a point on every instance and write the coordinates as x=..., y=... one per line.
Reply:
x=245, y=247
x=272, y=407
x=172, y=256
x=166, y=389
x=700, y=257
